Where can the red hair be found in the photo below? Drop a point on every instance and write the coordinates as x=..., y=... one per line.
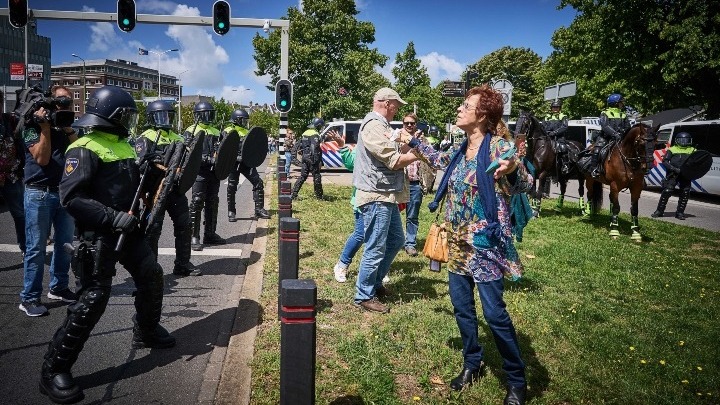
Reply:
x=490, y=104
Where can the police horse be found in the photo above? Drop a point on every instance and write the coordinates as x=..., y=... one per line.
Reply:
x=547, y=162
x=624, y=165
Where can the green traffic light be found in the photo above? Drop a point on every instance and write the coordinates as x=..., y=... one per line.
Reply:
x=221, y=25
x=126, y=21
x=283, y=103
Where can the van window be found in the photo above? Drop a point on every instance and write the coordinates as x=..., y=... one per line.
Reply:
x=331, y=127
x=351, y=132
x=593, y=133
x=663, y=135
x=705, y=137
x=576, y=134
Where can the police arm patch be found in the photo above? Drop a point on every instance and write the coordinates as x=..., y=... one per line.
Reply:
x=70, y=165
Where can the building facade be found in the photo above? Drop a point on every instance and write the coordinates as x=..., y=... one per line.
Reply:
x=121, y=73
x=12, y=50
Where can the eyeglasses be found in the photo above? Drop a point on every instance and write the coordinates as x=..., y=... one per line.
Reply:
x=467, y=106
x=409, y=123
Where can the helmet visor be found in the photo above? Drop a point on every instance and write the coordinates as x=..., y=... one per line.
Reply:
x=126, y=117
x=684, y=141
x=161, y=119
x=205, y=116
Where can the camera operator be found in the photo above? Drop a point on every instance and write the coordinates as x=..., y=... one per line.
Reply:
x=47, y=135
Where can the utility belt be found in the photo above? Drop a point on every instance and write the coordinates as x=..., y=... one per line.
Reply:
x=87, y=252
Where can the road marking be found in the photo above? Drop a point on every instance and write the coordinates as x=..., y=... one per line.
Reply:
x=162, y=251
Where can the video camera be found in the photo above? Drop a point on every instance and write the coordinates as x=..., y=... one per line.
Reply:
x=31, y=100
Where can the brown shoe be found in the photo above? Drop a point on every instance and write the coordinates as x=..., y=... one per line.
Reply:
x=373, y=305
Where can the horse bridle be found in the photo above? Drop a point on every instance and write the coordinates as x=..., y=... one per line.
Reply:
x=641, y=158
x=522, y=119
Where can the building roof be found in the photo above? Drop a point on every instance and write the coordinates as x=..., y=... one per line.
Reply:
x=675, y=115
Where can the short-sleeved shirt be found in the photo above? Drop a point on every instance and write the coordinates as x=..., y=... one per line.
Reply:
x=50, y=174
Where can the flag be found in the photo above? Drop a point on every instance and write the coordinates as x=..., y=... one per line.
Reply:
x=142, y=51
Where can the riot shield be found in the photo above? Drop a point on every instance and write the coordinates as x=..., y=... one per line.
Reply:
x=696, y=165
x=254, y=147
x=226, y=155
x=190, y=161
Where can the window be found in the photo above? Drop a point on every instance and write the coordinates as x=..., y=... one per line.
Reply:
x=704, y=136
x=135, y=86
x=87, y=95
x=76, y=108
x=77, y=82
x=110, y=82
x=76, y=95
x=98, y=81
x=127, y=85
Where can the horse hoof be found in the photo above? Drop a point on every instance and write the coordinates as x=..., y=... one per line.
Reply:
x=614, y=233
x=636, y=237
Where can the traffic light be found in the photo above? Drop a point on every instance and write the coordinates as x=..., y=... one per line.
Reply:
x=18, y=13
x=126, y=15
x=221, y=17
x=283, y=95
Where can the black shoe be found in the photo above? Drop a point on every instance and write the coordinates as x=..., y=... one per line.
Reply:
x=158, y=338
x=187, y=269
x=60, y=387
x=231, y=216
x=657, y=214
x=195, y=244
x=465, y=379
x=515, y=395
x=214, y=239
x=262, y=213
x=680, y=216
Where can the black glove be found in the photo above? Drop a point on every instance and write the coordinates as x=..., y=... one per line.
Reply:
x=150, y=158
x=122, y=221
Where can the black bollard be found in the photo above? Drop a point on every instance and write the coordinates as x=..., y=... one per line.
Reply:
x=281, y=175
x=297, y=342
x=284, y=207
x=286, y=188
x=288, y=251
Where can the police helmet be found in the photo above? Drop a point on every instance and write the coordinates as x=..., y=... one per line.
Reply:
x=614, y=99
x=160, y=114
x=683, y=139
x=556, y=104
x=316, y=123
x=204, y=112
x=112, y=108
x=240, y=117
x=433, y=130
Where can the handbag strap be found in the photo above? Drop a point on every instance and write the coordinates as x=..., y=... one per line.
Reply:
x=441, y=206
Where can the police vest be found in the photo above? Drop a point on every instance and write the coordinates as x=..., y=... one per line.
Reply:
x=166, y=137
x=108, y=147
x=614, y=113
x=555, y=117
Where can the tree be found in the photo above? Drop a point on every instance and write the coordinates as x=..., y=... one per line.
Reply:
x=329, y=50
x=412, y=82
x=267, y=120
x=658, y=54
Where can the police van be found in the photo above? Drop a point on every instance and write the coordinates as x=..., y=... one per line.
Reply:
x=583, y=131
x=351, y=129
x=705, y=136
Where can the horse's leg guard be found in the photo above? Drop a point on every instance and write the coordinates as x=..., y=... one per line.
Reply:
x=635, y=230
x=614, y=227
x=559, y=203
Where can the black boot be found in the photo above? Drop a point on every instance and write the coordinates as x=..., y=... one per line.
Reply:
x=466, y=378
x=231, y=204
x=183, y=244
x=59, y=387
x=196, y=207
x=259, y=198
x=157, y=338
x=595, y=173
x=682, y=203
x=210, y=237
x=664, y=196
x=147, y=332
x=515, y=395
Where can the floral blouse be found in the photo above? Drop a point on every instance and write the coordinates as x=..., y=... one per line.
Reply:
x=471, y=253
x=10, y=170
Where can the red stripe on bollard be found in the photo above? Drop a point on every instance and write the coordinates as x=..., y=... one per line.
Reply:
x=298, y=309
x=294, y=321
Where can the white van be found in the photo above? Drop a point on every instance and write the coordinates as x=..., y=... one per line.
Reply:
x=351, y=130
x=583, y=131
x=705, y=136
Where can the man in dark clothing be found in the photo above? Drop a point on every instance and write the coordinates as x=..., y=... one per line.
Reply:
x=673, y=160
x=614, y=123
x=99, y=182
x=309, y=147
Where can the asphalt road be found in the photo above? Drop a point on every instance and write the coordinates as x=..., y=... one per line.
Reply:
x=198, y=311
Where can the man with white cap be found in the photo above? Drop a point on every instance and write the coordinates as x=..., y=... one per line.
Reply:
x=381, y=184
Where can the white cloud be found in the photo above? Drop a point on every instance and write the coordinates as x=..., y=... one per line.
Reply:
x=103, y=36
x=387, y=71
x=154, y=6
x=440, y=67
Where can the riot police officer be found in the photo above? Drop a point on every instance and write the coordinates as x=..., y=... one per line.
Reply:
x=673, y=160
x=614, y=123
x=555, y=123
x=157, y=139
x=207, y=186
x=99, y=182
x=309, y=147
x=239, y=124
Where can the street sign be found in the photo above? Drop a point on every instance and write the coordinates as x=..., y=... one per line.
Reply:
x=505, y=88
x=561, y=90
x=17, y=71
x=35, y=72
x=453, y=89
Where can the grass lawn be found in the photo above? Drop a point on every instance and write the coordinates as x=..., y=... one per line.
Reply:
x=599, y=320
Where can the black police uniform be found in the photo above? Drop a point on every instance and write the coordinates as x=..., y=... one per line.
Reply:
x=614, y=124
x=309, y=147
x=251, y=174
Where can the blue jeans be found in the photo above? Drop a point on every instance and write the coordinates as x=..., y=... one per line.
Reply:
x=43, y=209
x=13, y=195
x=498, y=320
x=383, y=240
x=288, y=162
x=354, y=241
x=412, y=211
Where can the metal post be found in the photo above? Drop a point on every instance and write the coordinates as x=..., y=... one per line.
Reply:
x=160, y=54
x=84, y=97
x=298, y=332
x=288, y=251
x=26, y=55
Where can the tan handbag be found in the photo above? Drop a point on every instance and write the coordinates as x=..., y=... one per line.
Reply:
x=436, y=243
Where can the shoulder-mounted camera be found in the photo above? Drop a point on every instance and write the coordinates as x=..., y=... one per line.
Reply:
x=32, y=99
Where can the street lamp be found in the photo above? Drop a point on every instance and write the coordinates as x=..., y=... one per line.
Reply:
x=84, y=82
x=179, y=113
x=159, y=54
x=240, y=90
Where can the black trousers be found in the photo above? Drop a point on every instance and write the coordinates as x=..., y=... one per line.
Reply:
x=307, y=168
x=179, y=211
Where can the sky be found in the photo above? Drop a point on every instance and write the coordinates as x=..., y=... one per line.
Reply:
x=448, y=35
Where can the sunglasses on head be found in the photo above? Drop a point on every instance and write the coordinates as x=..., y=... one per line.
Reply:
x=409, y=123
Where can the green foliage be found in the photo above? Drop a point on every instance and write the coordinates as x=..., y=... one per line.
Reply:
x=270, y=122
x=598, y=320
x=330, y=50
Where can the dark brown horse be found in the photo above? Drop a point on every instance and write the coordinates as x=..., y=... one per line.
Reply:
x=543, y=156
x=625, y=166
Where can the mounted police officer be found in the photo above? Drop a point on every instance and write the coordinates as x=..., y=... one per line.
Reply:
x=239, y=124
x=99, y=181
x=673, y=160
x=207, y=186
x=160, y=117
x=309, y=147
x=614, y=123
x=555, y=125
